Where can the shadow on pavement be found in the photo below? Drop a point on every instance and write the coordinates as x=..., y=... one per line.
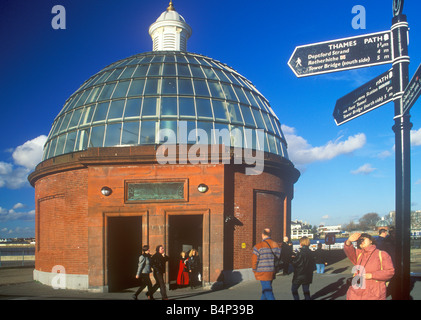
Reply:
x=332, y=291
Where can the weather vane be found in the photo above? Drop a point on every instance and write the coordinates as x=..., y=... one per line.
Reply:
x=397, y=7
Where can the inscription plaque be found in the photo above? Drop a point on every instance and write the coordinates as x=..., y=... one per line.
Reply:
x=156, y=191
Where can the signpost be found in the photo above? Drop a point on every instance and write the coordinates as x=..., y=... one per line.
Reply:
x=402, y=129
x=363, y=51
x=330, y=239
x=412, y=91
x=342, y=54
x=369, y=96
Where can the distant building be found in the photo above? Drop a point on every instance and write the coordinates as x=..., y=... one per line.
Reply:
x=300, y=229
x=415, y=222
x=322, y=230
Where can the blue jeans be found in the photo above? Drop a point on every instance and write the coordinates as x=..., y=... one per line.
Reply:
x=306, y=291
x=320, y=268
x=267, y=292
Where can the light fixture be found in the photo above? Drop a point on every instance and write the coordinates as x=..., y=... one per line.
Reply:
x=229, y=218
x=202, y=188
x=106, y=191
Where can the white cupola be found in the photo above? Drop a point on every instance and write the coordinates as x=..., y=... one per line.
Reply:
x=170, y=31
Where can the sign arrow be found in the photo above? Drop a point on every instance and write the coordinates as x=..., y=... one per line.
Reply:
x=412, y=91
x=369, y=96
x=342, y=54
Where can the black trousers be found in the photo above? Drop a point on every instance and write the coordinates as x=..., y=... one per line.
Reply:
x=285, y=267
x=306, y=291
x=160, y=283
x=144, y=281
x=194, y=278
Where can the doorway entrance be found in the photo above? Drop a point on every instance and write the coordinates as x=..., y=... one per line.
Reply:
x=185, y=233
x=124, y=245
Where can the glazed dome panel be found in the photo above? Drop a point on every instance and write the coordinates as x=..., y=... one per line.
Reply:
x=128, y=102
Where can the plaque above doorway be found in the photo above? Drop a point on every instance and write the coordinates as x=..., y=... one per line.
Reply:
x=173, y=190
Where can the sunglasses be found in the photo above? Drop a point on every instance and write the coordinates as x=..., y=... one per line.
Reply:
x=361, y=240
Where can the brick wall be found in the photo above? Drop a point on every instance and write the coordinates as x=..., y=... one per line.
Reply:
x=258, y=203
x=61, y=222
x=71, y=212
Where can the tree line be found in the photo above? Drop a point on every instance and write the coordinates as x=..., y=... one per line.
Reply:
x=366, y=222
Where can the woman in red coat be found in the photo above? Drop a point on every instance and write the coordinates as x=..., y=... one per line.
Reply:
x=372, y=269
x=183, y=273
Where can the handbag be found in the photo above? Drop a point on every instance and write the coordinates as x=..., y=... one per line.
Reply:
x=277, y=262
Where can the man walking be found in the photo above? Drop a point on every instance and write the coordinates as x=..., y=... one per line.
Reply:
x=263, y=260
x=143, y=271
x=158, y=261
x=286, y=255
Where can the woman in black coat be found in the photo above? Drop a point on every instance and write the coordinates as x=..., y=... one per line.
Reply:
x=194, y=267
x=303, y=263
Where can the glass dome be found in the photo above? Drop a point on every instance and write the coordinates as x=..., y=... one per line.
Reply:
x=128, y=102
x=382, y=223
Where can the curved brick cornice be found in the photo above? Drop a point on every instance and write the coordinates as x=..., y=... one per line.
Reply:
x=148, y=155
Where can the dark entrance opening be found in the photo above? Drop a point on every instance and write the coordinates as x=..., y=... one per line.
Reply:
x=124, y=245
x=185, y=233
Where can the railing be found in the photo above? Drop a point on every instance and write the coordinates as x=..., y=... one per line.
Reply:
x=16, y=257
x=336, y=246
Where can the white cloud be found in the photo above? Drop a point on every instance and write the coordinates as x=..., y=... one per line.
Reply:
x=29, y=154
x=5, y=168
x=364, y=169
x=325, y=217
x=14, y=178
x=416, y=137
x=385, y=154
x=8, y=215
x=301, y=152
x=18, y=232
x=18, y=206
x=26, y=157
x=11, y=215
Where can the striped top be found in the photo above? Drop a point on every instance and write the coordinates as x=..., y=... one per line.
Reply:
x=264, y=255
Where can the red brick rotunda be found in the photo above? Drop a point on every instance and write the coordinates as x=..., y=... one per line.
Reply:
x=165, y=147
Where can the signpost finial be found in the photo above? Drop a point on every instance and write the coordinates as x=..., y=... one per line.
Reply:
x=397, y=7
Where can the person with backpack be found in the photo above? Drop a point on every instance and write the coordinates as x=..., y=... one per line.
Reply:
x=373, y=268
x=263, y=263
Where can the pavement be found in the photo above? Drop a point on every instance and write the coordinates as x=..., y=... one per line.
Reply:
x=18, y=284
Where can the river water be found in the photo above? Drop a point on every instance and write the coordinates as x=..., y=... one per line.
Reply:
x=17, y=251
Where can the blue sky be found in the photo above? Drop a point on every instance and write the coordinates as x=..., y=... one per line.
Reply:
x=346, y=171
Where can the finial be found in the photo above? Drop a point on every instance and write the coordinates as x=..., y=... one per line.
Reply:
x=397, y=7
x=170, y=7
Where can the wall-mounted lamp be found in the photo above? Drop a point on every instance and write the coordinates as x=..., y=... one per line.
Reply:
x=202, y=188
x=229, y=218
x=106, y=191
